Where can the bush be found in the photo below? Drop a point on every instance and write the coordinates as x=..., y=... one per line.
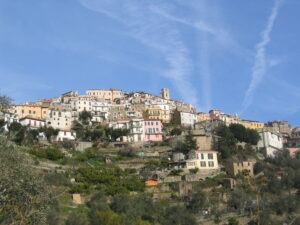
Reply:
x=175, y=172
x=194, y=171
x=49, y=153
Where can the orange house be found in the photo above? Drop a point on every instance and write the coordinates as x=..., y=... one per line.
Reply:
x=151, y=183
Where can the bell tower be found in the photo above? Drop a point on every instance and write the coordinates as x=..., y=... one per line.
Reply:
x=165, y=93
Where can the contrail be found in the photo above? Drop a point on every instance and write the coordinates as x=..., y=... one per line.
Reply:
x=259, y=67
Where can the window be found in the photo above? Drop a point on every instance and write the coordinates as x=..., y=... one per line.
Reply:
x=202, y=156
x=157, y=123
x=210, y=156
x=203, y=164
x=210, y=164
x=22, y=111
x=33, y=112
x=29, y=111
x=191, y=164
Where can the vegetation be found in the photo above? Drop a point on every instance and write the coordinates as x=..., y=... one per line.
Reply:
x=228, y=137
x=5, y=101
x=114, y=134
x=48, y=153
x=115, y=193
x=24, y=199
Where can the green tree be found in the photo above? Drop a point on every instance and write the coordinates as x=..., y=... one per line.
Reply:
x=178, y=215
x=108, y=217
x=252, y=137
x=5, y=101
x=176, y=131
x=85, y=117
x=49, y=132
x=24, y=199
x=78, y=128
x=190, y=142
x=226, y=143
x=114, y=134
x=76, y=218
x=233, y=221
x=14, y=127
x=2, y=123
x=239, y=132
x=197, y=202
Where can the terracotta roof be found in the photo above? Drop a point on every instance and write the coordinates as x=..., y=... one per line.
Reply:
x=204, y=150
x=31, y=118
x=152, y=120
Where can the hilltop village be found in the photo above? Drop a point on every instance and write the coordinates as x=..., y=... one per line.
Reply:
x=112, y=157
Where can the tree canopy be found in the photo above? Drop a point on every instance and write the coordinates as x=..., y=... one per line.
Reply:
x=23, y=198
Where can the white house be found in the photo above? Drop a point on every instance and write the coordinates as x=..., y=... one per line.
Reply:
x=61, y=119
x=135, y=127
x=100, y=111
x=10, y=118
x=188, y=119
x=203, y=160
x=66, y=135
x=32, y=123
x=271, y=142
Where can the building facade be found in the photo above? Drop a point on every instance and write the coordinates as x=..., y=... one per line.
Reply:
x=203, y=160
x=270, y=142
x=152, y=130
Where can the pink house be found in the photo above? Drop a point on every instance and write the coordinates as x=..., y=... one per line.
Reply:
x=152, y=130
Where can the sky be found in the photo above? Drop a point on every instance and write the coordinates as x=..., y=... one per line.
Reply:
x=238, y=56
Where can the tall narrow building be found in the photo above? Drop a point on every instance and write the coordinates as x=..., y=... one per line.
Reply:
x=165, y=93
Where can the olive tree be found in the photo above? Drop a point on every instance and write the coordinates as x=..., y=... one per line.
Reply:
x=24, y=199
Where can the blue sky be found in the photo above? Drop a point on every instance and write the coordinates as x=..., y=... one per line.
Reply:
x=237, y=56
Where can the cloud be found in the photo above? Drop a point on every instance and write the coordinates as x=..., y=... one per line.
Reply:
x=260, y=61
x=156, y=33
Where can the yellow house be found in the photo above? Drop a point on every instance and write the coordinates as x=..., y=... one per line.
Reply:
x=153, y=113
x=34, y=111
x=201, y=116
x=108, y=95
x=255, y=125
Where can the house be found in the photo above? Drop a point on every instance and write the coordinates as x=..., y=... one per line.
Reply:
x=204, y=140
x=294, y=140
x=251, y=124
x=282, y=127
x=76, y=199
x=203, y=160
x=100, y=111
x=201, y=116
x=153, y=113
x=293, y=151
x=107, y=95
x=135, y=127
x=151, y=183
x=10, y=118
x=66, y=135
x=61, y=119
x=152, y=130
x=215, y=114
x=184, y=118
x=29, y=109
x=183, y=189
x=270, y=142
x=32, y=123
x=245, y=168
